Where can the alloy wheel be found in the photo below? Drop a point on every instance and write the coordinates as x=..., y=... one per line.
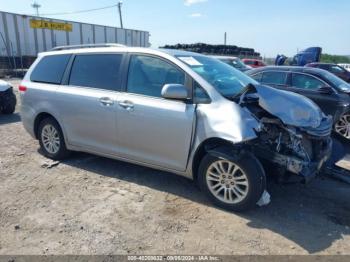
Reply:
x=227, y=181
x=50, y=139
x=342, y=127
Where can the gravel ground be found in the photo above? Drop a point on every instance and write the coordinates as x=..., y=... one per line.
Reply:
x=94, y=205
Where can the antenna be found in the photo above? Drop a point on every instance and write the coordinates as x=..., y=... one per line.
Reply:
x=36, y=6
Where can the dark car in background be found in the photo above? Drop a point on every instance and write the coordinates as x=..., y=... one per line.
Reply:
x=328, y=91
x=334, y=69
x=234, y=62
x=7, y=98
x=255, y=63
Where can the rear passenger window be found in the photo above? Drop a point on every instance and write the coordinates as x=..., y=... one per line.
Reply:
x=148, y=75
x=96, y=71
x=50, y=69
x=275, y=78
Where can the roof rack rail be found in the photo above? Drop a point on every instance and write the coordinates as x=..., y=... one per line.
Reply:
x=67, y=47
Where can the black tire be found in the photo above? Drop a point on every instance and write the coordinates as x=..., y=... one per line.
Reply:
x=9, y=104
x=62, y=152
x=254, y=173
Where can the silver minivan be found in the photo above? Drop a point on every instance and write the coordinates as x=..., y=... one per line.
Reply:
x=175, y=111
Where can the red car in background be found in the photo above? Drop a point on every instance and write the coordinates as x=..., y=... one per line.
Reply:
x=255, y=63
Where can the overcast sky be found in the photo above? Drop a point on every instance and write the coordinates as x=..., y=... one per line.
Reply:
x=268, y=26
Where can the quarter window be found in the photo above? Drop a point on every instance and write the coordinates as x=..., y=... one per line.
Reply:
x=199, y=95
x=148, y=75
x=50, y=69
x=96, y=71
x=306, y=82
x=275, y=78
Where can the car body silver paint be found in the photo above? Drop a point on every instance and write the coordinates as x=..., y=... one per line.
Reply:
x=196, y=123
x=4, y=85
x=291, y=108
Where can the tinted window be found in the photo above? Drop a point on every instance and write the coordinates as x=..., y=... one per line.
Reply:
x=276, y=78
x=337, y=69
x=257, y=77
x=148, y=75
x=98, y=71
x=50, y=69
x=306, y=81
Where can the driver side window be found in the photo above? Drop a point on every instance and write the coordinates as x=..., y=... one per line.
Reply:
x=147, y=75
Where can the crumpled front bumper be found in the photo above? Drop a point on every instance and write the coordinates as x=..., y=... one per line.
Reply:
x=306, y=169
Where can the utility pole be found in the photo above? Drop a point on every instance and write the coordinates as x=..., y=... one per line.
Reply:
x=225, y=38
x=36, y=6
x=120, y=13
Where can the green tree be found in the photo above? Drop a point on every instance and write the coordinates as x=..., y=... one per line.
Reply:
x=337, y=59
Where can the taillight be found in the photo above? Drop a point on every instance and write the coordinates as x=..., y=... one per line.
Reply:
x=22, y=88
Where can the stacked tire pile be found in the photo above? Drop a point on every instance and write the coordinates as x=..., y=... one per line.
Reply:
x=231, y=50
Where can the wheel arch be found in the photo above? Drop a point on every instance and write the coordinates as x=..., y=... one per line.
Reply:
x=212, y=145
x=39, y=118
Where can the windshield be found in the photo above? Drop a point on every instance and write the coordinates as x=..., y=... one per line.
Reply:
x=337, y=82
x=237, y=63
x=226, y=79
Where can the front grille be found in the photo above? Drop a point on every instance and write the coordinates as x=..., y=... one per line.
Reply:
x=323, y=130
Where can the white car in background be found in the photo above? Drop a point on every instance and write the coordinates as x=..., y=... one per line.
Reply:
x=345, y=66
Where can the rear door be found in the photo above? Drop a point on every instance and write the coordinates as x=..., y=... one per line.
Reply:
x=88, y=101
x=152, y=129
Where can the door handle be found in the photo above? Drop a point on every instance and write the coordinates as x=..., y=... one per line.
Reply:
x=106, y=101
x=128, y=105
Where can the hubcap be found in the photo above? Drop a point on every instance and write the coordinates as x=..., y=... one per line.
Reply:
x=342, y=127
x=50, y=139
x=227, y=181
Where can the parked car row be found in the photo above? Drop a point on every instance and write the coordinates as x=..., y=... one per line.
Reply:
x=334, y=69
x=178, y=111
x=329, y=92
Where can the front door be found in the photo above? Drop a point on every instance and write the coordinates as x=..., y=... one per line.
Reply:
x=152, y=129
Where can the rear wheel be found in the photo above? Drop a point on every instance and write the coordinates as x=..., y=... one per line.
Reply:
x=342, y=127
x=232, y=184
x=51, y=139
x=9, y=104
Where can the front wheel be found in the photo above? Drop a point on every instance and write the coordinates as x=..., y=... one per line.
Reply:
x=342, y=127
x=232, y=184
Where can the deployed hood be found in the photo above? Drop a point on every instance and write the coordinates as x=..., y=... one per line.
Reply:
x=292, y=109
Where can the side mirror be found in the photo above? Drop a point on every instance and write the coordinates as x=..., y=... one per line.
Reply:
x=325, y=90
x=175, y=91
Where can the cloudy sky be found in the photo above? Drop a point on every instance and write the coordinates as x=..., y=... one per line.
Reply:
x=269, y=26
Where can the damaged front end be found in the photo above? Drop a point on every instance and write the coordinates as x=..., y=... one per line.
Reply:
x=296, y=142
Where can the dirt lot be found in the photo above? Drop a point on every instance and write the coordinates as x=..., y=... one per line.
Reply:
x=94, y=205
